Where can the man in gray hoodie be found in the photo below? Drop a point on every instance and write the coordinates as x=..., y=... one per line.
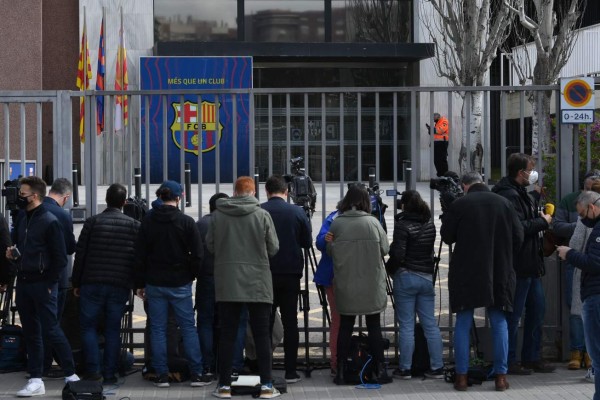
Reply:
x=242, y=237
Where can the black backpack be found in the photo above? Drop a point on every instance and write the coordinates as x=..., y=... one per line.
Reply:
x=136, y=208
x=359, y=367
x=420, y=359
x=13, y=355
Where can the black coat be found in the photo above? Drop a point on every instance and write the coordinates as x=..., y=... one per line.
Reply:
x=529, y=263
x=412, y=246
x=487, y=233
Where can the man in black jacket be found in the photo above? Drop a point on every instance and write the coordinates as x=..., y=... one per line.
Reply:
x=487, y=232
x=294, y=234
x=168, y=258
x=103, y=280
x=528, y=264
x=40, y=255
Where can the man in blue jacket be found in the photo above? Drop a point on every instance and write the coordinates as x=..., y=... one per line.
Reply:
x=588, y=262
x=40, y=255
x=294, y=234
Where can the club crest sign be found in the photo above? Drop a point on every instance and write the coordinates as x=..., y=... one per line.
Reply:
x=211, y=130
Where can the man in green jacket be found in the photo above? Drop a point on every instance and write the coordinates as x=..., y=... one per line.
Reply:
x=242, y=237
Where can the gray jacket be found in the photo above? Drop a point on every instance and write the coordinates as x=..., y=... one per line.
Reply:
x=242, y=237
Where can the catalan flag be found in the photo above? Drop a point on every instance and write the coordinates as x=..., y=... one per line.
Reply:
x=121, y=82
x=83, y=78
x=100, y=82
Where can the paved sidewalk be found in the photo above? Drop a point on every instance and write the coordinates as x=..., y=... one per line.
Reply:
x=563, y=384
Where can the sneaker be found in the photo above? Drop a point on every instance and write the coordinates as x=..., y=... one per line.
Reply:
x=292, y=377
x=518, y=369
x=222, y=392
x=71, y=378
x=435, y=373
x=34, y=387
x=200, y=380
x=162, y=381
x=589, y=376
x=540, y=366
x=268, y=392
x=402, y=374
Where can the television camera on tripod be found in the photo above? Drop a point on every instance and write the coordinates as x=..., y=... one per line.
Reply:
x=300, y=187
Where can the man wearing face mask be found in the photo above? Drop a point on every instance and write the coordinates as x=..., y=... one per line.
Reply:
x=588, y=261
x=528, y=263
x=40, y=255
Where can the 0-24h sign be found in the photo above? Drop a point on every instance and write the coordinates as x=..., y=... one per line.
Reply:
x=577, y=102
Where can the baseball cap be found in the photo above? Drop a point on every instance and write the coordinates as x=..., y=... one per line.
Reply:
x=174, y=187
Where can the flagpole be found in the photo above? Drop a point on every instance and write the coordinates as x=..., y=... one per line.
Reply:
x=82, y=148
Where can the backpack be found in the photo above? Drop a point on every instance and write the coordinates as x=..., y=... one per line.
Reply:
x=13, y=356
x=179, y=370
x=83, y=390
x=359, y=367
x=136, y=208
x=278, y=383
x=420, y=359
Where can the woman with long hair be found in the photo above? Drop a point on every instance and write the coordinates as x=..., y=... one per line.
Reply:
x=411, y=266
x=357, y=242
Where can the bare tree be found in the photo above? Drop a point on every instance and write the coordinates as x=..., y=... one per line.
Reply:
x=382, y=21
x=467, y=35
x=552, y=28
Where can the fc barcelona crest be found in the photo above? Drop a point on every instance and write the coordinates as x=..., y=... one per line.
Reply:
x=211, y=129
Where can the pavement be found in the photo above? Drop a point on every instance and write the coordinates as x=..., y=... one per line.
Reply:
x=562, y=384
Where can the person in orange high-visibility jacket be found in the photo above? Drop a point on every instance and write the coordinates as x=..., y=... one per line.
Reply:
x=441, y=133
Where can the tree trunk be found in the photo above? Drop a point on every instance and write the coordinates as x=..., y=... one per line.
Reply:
x=474, y=160
x=541, y=126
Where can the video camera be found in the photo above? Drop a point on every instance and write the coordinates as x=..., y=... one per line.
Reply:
x=300, y=186
x=378, y=207
x=11, y=192
x=449, y=188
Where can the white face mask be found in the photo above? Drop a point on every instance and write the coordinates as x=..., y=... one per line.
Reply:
x=533, y=177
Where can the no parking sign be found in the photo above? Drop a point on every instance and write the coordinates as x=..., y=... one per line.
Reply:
x=577, y=102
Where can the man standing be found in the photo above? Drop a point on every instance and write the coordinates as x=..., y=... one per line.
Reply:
x=294, y=234
x=103, y=280
x=528, y=264
x=486, y=231
x=40, y=255
x=242, y=237
x=168, y=258
x=57, y=198
x=589, y=263
x=441, y=134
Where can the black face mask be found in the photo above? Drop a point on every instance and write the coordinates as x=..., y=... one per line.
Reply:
x=22, y=202
x=589, y=222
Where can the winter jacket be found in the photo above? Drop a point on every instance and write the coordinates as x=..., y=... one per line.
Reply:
x=208, y=260
x=294, y=234
x=168, y=249
x=324, y=273
x=242, y=237
x=39, y=238
x=106, y=250
x=487, y=234
x=589, y=264
x=412, y=246
x=529, y=262
x=66, y=222
x=565, y=217
x=358, y=246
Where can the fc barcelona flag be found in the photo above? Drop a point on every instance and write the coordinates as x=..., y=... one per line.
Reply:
x=100, y=82
x=84, y=74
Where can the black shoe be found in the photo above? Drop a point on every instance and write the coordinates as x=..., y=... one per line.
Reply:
x=292, y=377
x=382, y=375
x=200, y=380
x=540, y=366
x=402, y=374
x=162, y=381
x=435, y=373
x=518, y=369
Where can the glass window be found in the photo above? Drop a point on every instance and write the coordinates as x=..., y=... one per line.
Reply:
x=195, y=20
x=285, y=21
x=383, y=21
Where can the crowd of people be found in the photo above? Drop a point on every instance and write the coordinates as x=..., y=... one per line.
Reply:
x=248, y=258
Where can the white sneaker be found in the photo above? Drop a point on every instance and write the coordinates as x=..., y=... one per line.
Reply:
x=589, y=376
x=34, y=387
x=72, y=378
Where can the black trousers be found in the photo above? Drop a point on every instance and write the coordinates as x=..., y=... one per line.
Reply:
x=229, y=314
x=375, y=338
x=286, y=288
x=440, y=157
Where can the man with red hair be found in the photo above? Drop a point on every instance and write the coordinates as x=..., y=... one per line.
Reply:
x=242, y=237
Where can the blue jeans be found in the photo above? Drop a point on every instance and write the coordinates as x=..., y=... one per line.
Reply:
x=576, y=339
x=206, y=307
x=462, y=330
x=529, y=296
x=415, y=294
x=101, y=302
x=36, y=303
x=60, y=307
x=180, y=299
x=591, y=324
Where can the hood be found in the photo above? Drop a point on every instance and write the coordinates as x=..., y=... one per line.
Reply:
x=505, y=184
x=238, y=205
x=165, y=214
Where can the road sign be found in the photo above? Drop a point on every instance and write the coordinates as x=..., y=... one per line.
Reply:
x=577, y=102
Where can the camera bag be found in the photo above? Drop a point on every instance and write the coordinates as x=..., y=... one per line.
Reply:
x=83, y=390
